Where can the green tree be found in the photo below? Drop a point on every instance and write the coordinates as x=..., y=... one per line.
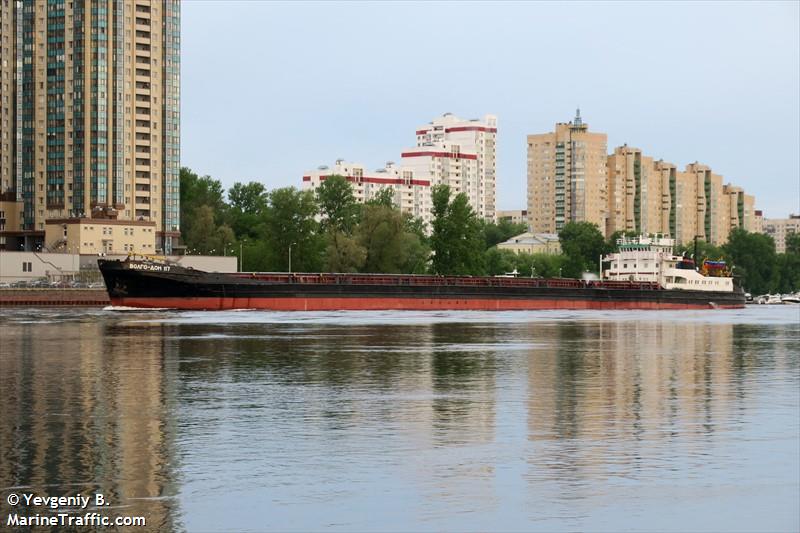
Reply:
x=381, y=232
x=343, y=253
x=494, y=234
x=417, y=226
x=788, y=265
x=248, y=198
x=754, y=259
x=540, y=265
x=792, y=243
x=337, y=205
x=204, y=235
x=384, y=197
x=705, y=250
x=457, y=240
x=582, y=244
x=289, y=221
x=195, y=193
x=499, y=262
x=247, y=206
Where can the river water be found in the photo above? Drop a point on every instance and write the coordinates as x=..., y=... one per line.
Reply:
x=529, y=421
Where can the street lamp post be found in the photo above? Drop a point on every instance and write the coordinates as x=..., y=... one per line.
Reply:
x=290, y=256
x=559, y=272
x=241, y=255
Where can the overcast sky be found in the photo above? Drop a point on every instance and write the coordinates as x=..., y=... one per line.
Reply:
x=271, y=90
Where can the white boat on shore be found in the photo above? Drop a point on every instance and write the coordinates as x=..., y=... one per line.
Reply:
x=768, y=299
x=791, y=298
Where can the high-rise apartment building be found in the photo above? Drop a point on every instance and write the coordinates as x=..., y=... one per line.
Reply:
x=95, y=116
x=514, y=216
x=567, y=179
x=410, y=195
x=449, y=151
x=459, y=153
x=636, y=186
x=571, y=179
x=648, y=197
x=8, y=39
x=780, y=228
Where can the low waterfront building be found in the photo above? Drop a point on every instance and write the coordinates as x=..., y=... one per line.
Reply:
x=12, y=234
x=100, y=235
x=780, y=228
x=532, y=243
x=29, y=266
x=411, y=195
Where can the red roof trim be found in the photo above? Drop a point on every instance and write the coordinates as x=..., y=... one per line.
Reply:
x=379, y=181
x=422, y=132
x=471, y=128
x=439, y=154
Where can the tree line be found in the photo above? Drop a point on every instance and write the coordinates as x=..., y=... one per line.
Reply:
x=327, y=230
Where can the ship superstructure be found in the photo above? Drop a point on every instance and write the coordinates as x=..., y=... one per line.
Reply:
x=652, y=259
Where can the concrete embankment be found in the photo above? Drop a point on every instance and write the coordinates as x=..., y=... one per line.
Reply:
x=53, y=297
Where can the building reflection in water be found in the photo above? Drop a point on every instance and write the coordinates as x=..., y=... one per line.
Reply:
x=281, y=425
x=85, y=410
x=351, y=401
x=609, y=400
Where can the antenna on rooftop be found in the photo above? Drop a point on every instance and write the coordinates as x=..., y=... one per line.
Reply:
x=578, y=120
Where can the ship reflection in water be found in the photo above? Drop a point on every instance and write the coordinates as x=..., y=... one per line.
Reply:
x=408, y=421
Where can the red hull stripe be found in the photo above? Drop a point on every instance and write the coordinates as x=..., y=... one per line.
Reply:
x=382, y=304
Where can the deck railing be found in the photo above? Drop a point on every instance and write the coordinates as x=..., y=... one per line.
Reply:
x=443, y=281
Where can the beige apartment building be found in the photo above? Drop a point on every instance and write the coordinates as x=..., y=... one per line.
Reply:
x=567, y=179
x=627, y=190
x=96, y=115
x=709, y=209
x=639, y=198
x=648, y=197
x=780, y=228
x=514, y=216
x=8, y=104
x=758, y=221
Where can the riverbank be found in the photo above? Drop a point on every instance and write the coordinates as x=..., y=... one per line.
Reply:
x=53, y=297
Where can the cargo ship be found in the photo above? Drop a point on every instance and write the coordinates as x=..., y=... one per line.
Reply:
x=644, y=274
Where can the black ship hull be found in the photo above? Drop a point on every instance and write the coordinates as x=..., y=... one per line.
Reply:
x=158, y=285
